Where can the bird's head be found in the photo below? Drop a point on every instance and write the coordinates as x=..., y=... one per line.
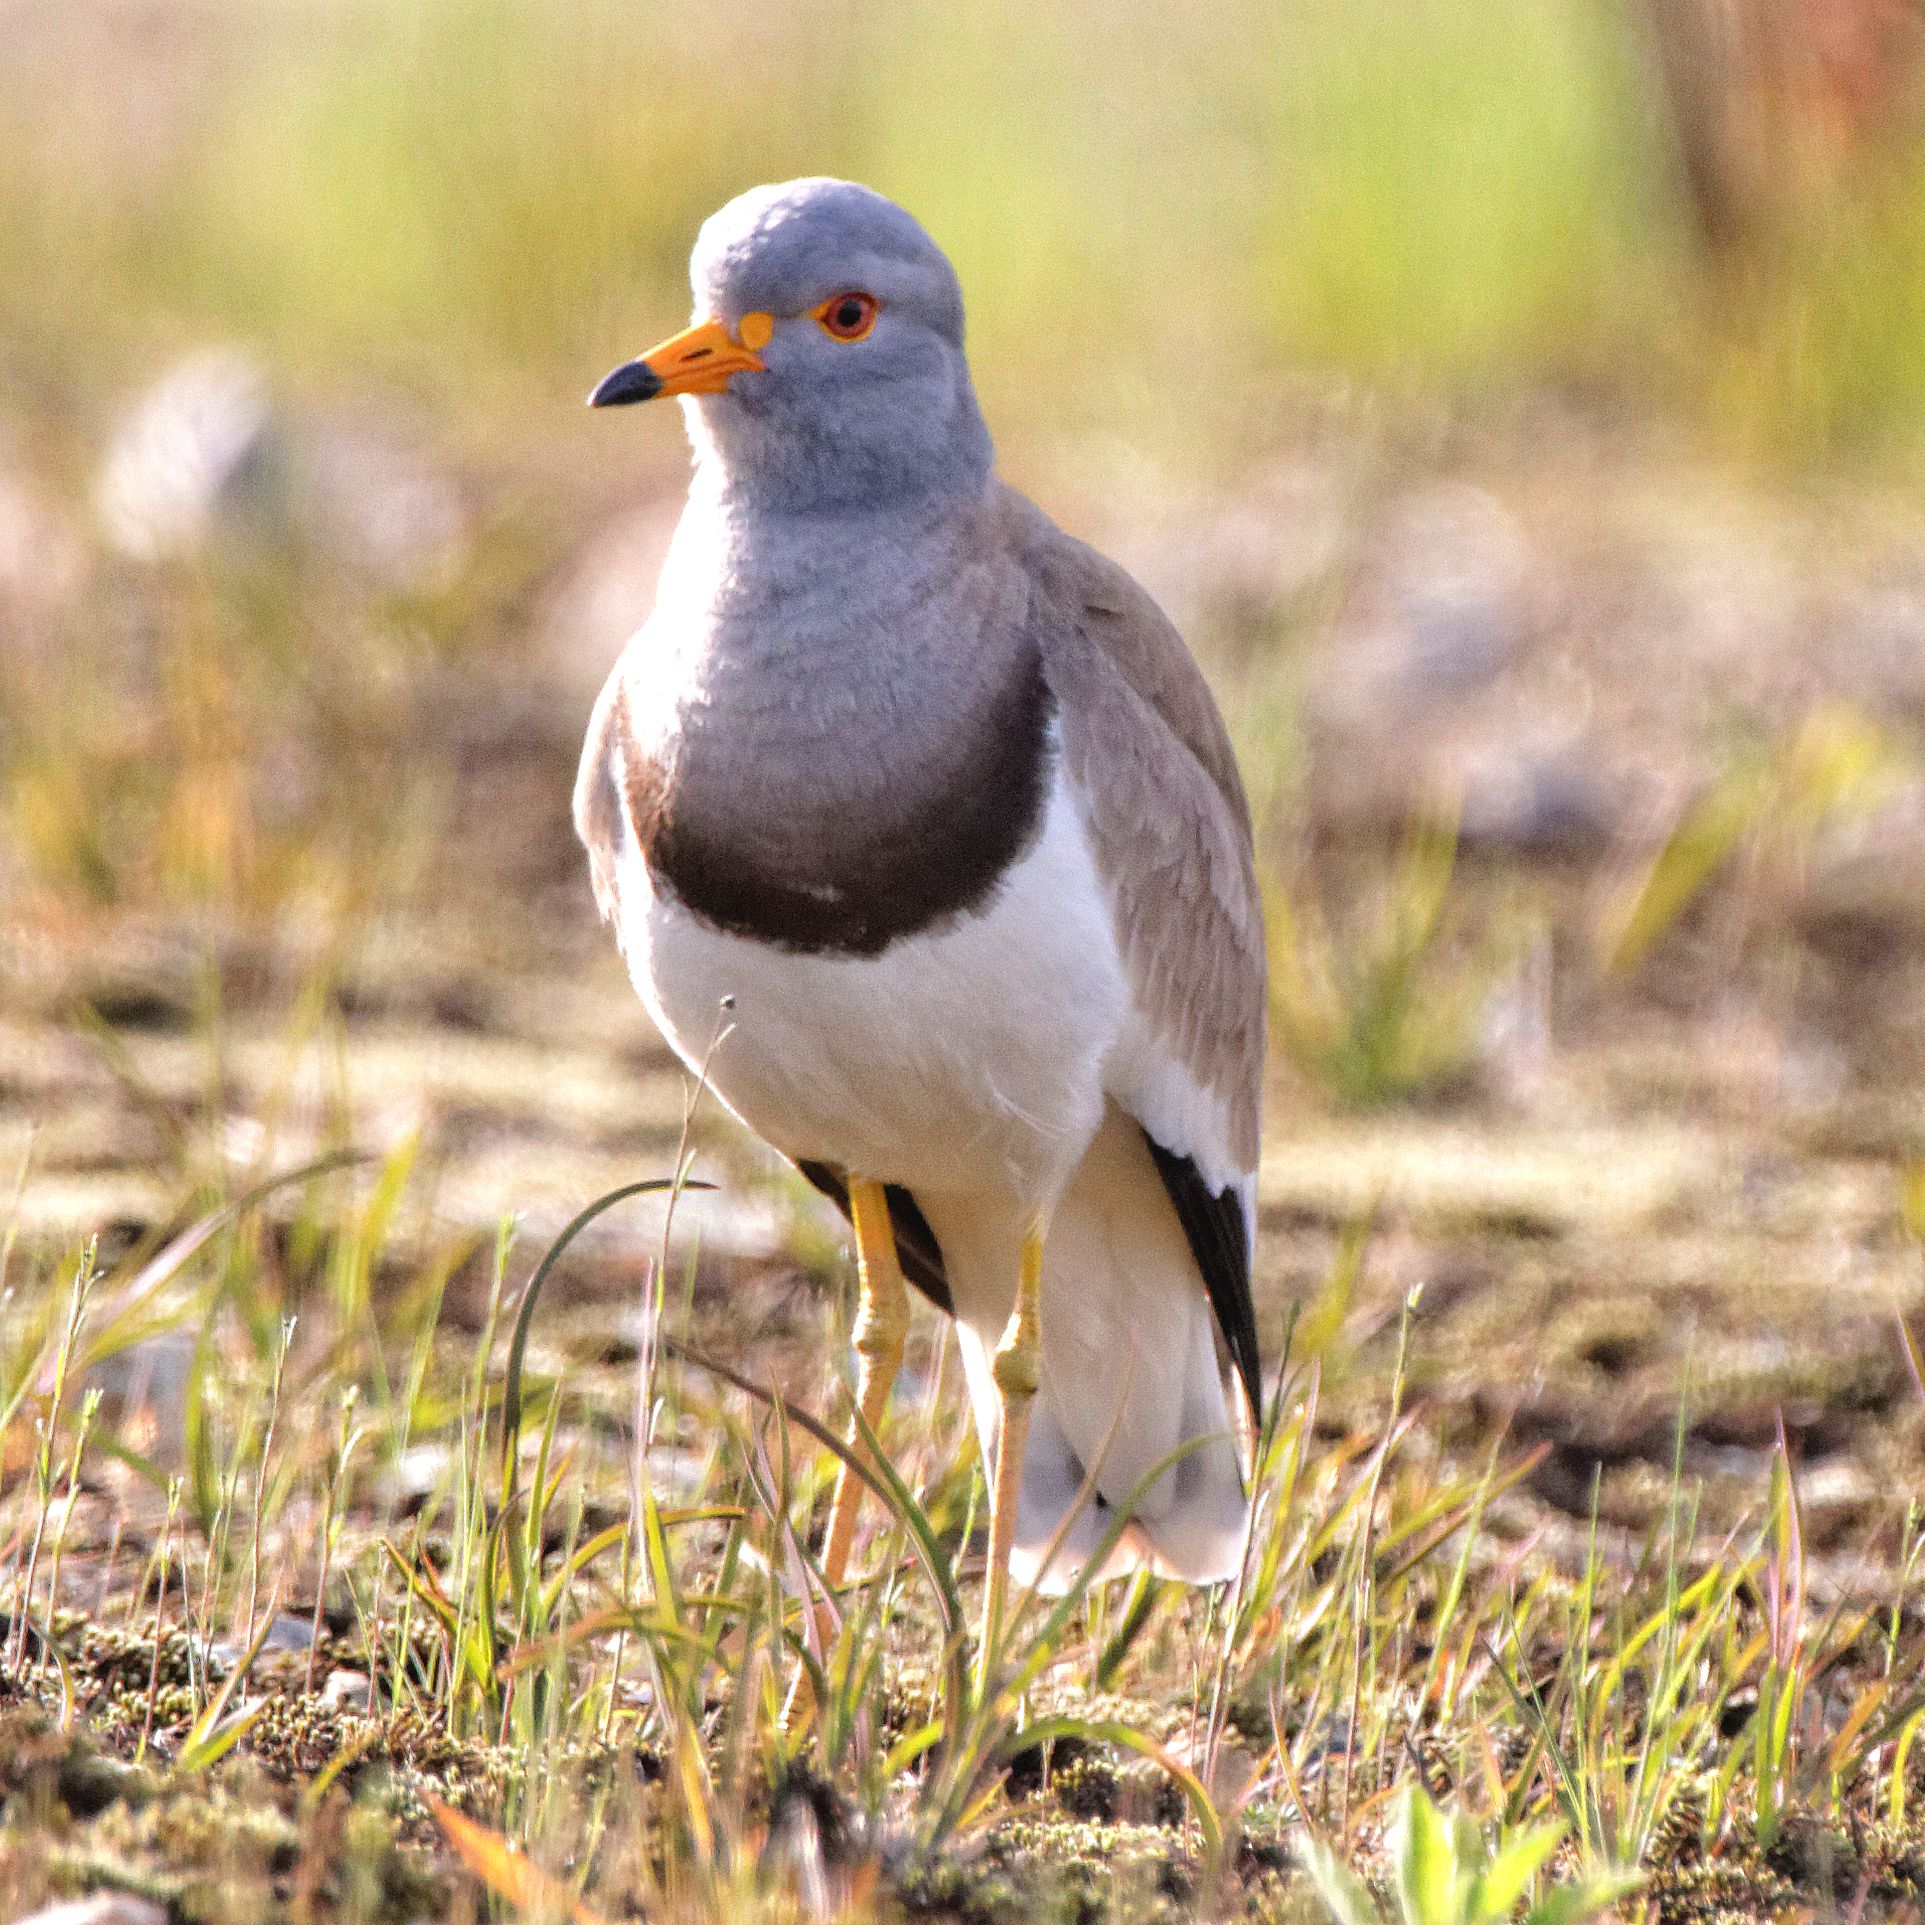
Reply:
x=824, y=366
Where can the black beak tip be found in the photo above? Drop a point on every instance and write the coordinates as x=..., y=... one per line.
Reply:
x=632, y=381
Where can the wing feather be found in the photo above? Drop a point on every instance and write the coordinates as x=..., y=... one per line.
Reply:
x=1146, y=751
x=598, y=795
x=1215, y=1228
x=917, y=1250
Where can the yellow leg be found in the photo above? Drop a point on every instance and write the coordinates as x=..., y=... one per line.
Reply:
x=882, y=1322
x=1017, y=1369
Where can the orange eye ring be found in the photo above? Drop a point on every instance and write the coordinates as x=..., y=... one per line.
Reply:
x=848, y=316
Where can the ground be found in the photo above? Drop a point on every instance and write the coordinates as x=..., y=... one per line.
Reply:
x=1586, y=793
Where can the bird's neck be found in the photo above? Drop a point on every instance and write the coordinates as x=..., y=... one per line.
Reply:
x=925, y=455
x=848, y=651
x=764, y=579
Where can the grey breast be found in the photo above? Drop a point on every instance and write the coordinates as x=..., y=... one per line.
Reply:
x=859, y=768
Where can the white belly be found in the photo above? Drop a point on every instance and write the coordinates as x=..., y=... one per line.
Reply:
x=968, y=1058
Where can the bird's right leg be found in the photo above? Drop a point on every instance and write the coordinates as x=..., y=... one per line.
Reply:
x=1016, y=1367
x=882, y=1323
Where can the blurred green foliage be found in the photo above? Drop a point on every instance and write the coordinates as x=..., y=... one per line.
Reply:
x=1187, y=230
x=1161, y=209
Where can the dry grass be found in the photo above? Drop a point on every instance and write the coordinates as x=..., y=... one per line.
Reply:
x=320, y=1539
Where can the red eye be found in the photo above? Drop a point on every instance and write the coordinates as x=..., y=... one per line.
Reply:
x=848, y=316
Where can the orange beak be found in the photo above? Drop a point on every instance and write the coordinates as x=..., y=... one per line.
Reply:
x=702, y=359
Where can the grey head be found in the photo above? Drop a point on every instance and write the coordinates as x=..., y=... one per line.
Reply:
x=824, y=369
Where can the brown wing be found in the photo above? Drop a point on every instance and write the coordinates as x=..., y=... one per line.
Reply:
x=1145, y=748
x=1146, y=752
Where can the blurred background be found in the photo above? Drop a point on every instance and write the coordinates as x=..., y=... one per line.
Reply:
x=1520, y=404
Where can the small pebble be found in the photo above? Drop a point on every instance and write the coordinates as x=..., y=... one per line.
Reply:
x=350, y=1690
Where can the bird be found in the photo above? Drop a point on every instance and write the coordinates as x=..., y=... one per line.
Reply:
x=935, y=802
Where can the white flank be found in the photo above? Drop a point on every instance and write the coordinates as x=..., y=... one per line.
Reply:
x=978, y=1065
x=973, y=1052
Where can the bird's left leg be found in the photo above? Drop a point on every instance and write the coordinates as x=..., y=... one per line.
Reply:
x=882, y=1323
x=1017, y=1370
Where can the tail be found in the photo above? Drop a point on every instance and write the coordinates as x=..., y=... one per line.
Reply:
x=1129, y=1376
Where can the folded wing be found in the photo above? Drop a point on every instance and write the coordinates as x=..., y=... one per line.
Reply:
x=1146, y=751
